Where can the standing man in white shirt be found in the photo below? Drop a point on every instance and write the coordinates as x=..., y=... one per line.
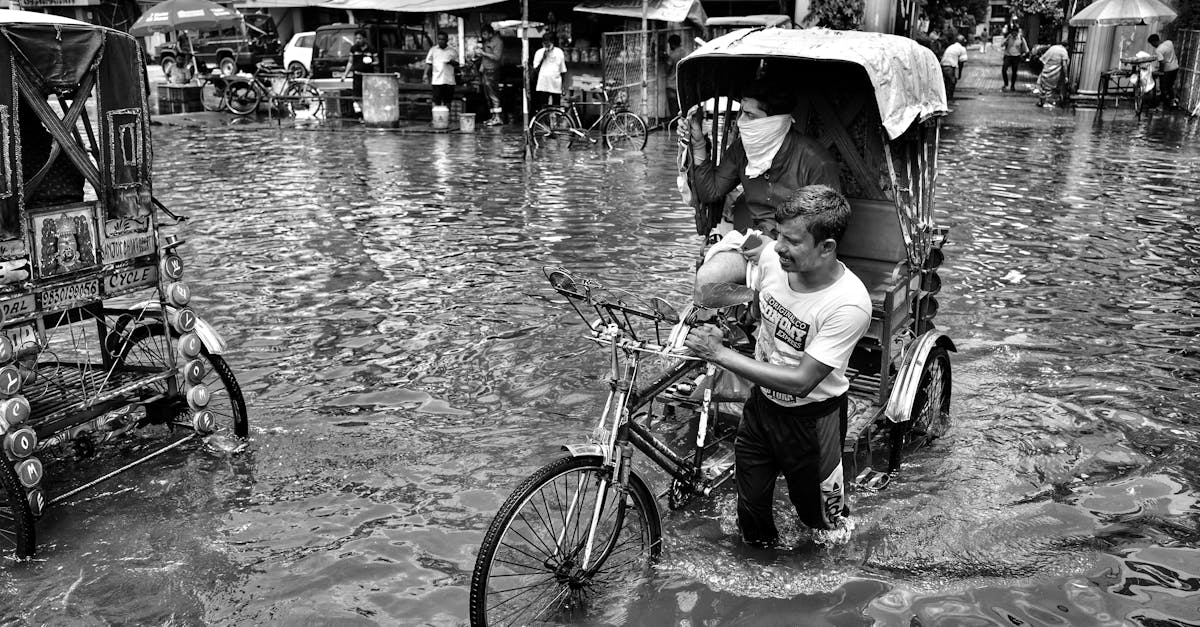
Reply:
x=551, y=64
x=439, y=70
x=953, y=60
x=1168, y=64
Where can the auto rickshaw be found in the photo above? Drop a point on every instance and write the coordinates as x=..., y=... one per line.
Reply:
x=99, y=339
x=577, y=536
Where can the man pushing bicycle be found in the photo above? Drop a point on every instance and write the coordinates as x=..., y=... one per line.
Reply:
x=813, y=312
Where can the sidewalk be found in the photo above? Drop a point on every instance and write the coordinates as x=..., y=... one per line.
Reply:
x=981, y=76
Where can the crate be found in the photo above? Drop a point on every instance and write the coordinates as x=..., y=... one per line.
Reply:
x=179, y=99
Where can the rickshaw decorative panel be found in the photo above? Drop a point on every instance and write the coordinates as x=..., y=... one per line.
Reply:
x=126, y=238
x=64, y=240
x=125, y=171
x=128, y=280
x=11, y=242
x=19, y=308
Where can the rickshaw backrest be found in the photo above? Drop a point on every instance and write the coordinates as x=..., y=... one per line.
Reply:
x=873, y=232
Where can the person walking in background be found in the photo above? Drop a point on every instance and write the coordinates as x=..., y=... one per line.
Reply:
x=1015, y=48
x=953, y=60
x=551, y=64
x=489, y=67
x=440, y=64
x=675, y=53
x=1168, y=64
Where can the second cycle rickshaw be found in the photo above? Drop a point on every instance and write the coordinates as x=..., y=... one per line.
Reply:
x=576, y=538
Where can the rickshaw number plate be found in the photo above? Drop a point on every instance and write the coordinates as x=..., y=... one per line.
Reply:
x=17, y=308
x=129, y=280
x=68, y=296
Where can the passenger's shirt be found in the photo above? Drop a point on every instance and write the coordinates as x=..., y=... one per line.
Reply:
x=825, y=325
x=954, y=55
x=800, y=161
x=439, y=59
x=1167, y=61
x=551, y=66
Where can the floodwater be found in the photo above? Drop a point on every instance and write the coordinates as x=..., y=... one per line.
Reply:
x=405, y=367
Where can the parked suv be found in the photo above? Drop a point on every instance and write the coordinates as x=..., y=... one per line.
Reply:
x=401, y=49
x=241, y=47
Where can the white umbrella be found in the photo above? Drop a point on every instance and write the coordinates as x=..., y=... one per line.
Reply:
x=1123, y=13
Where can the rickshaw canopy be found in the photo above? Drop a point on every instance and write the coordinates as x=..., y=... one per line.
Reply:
x=906, y=77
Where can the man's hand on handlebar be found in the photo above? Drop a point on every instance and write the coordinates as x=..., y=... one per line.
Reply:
x=705, y=341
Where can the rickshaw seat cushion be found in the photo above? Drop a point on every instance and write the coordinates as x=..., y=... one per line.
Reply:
x=873, y=232
x=879, y=277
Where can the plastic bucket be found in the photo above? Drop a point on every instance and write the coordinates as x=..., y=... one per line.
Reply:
x=466, y=122
x=441, y=117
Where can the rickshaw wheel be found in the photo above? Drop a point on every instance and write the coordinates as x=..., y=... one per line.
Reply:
x=148, y=345
x=930, y=409
x=16, y=519
x=549, y=124
x=625, y=131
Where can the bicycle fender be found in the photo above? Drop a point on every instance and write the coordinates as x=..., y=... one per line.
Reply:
x=207, y=333
x=585, y=450
x=904, y=391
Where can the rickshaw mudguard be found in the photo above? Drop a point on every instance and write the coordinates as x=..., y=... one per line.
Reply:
x=899, y=404
x=584, y=450
x=598, y=450
x=208, y=334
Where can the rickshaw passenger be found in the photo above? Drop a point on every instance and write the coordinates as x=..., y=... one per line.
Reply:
x=814, y=311
x=768, y=156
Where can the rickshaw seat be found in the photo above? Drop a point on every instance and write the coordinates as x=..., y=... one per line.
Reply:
x=873, y=248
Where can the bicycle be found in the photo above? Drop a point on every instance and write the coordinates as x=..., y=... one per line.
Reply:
x=283, y=91
x=581, y=527
x=1137, y=76
x=619, y=127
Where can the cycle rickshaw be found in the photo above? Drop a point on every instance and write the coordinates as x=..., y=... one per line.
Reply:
x=98, y=337
x=576, y=536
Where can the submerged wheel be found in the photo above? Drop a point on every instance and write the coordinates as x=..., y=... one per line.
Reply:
x=625, y=131
x=550, y=124
x=304, y=99
x=930, y=414
x=16, y=520
x=148, y=346
x=242, y=98
x=530, y=567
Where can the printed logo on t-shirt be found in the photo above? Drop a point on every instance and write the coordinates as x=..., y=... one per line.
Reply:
x=788, y=328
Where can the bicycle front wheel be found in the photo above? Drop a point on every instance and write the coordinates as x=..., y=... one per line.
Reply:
x=543, y=562
x=625, y=131
x=550, y=124
x=242, y=98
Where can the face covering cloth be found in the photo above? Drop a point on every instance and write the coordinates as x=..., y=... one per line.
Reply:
x=762, y=138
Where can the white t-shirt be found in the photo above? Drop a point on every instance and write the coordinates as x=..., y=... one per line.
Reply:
x=1165, y=52
x=954, y=54
x=550, y=72
x=826, y=325
x=439, y=62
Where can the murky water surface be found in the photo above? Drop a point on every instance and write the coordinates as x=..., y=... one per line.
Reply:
x=405, y=367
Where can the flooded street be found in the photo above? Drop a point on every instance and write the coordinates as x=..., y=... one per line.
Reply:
x=405, y=366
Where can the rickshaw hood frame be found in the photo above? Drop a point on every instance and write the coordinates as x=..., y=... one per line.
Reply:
x=906, y=77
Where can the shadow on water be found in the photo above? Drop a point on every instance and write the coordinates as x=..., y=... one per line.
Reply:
x=406, y=366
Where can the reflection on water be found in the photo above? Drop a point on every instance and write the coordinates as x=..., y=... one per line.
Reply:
x=406, y=366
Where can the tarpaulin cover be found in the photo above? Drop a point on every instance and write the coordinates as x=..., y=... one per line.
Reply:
x=674, y=11
x=407, y=6
x=56, y=56
x=906, y=76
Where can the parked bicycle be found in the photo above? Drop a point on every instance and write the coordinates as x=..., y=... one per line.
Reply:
x=1145, y=84
x=619, y=127
x=281, y=90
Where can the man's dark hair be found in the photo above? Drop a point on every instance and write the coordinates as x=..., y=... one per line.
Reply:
x=825, y=210
x=1154, y=39
x=360, y=32
x=775, y=99
x=550, y=39
x=673, y=40
x=443, y=33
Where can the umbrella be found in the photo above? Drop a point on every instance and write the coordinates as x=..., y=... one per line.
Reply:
x=174, y=15
x=177, y=15
x=1123, y=12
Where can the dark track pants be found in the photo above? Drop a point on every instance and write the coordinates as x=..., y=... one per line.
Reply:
x=805, y=444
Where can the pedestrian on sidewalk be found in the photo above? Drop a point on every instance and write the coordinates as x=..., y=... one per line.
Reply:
x=953, y=60
x=1168, y=64
x=551, y=64
x=1054, y=72
x=362, y=60
x=1015, y=48
x=489, y=67
x=440, y=64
